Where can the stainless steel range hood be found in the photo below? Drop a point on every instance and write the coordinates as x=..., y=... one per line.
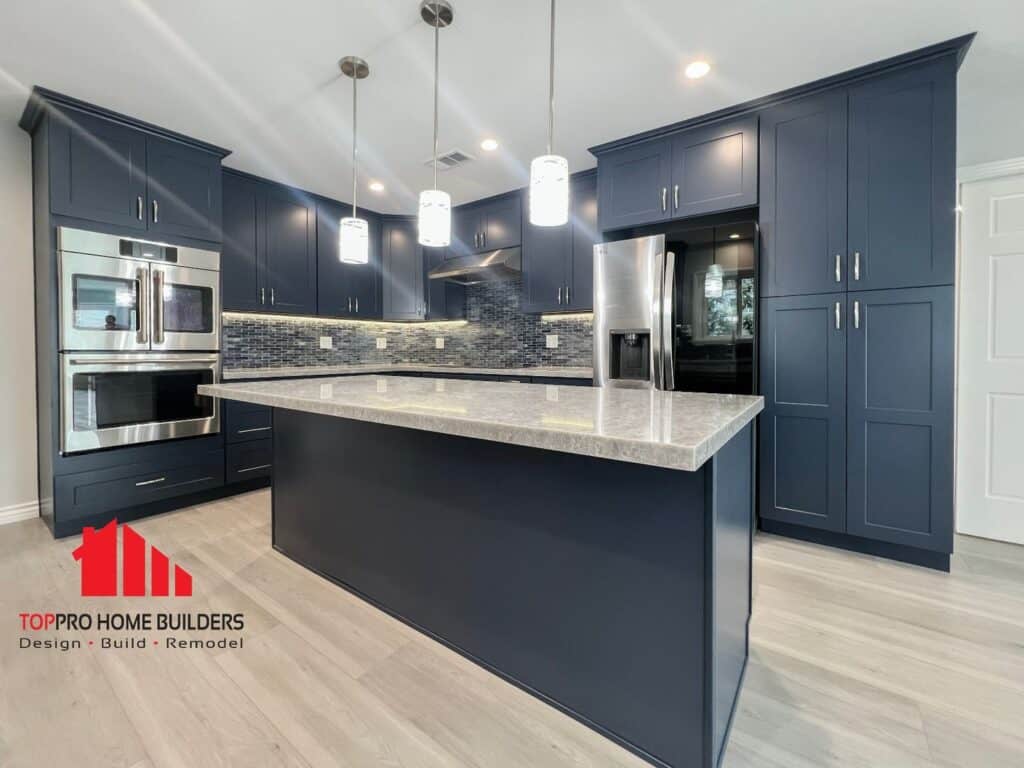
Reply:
x=494, y=266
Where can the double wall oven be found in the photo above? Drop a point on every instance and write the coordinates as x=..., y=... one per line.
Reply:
x=139, y=331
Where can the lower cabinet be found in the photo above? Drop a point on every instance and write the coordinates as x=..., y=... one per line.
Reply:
x=857, y=432
x=248, y=460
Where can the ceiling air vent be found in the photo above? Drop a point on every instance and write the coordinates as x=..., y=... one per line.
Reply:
x=452, y=159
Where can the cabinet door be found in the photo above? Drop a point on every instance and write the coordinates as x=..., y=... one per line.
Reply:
x=365, y=278
x=903, y=178
x=345, y=290
x=585, y=234
x=803, y=196
x=633, y=185
x=184, y=190
x=97, y=170
x=547, y=252
x=289, y=253
x=241, y=273
x=445, y=300
x=900, y=416
x=467, y=225
x=502, y=223
x=402, y=272
x=803, y=427
x=714, y=168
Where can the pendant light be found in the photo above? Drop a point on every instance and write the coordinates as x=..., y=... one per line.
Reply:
x=435, y=216
x=549, y=174
x=354, y=232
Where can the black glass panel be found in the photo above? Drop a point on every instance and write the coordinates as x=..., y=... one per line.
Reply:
x=104, y=303
x=117, y=399
x=188, y=308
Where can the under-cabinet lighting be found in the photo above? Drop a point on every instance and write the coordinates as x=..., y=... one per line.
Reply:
x=394, y=324
x=572, y=316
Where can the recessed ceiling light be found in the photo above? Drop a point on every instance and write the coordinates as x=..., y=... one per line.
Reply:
x=697, y=69
x=734, y=236
x=376, y=186
x=489, y=145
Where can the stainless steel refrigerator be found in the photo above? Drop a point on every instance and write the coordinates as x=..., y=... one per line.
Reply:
x=677, y=311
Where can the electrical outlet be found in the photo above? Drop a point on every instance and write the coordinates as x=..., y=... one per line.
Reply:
x=326, y=342
x=439, y=342
x=326, y=391
x=439, y=385
x=551, y=393
x=551, y=340
x=382, y=385
x=382, y=342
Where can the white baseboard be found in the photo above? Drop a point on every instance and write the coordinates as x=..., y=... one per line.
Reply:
x=18, y=512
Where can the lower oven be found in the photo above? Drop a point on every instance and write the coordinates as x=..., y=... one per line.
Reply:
x=109, y=400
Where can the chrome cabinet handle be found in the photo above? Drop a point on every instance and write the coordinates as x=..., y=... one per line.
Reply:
x=156, y=212
x=253, y=469
x=559, y=294
x=263, y=295
x=253, y=429
x=856, y=265
x=675, y=196
x=142, y=313
x=567, y=294
x=138, y=207
x=483, y=239
x=839, y=268
x=839, y=318
x=357, y=305
x=349, y=303
x=856, y=314
x=150, y=482
x=664, y=199
x=271, y=297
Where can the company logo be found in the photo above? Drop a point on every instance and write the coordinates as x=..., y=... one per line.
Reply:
x=98, y=557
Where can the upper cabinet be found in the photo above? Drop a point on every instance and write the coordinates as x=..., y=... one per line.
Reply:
x=346, y=290
x=858, y=185
x=403, y=272
x=558, y=262
x=487, y=226
x=902, y=186
x=269, y=257
x=103, y=168
x=803, y=196
x=697, y=171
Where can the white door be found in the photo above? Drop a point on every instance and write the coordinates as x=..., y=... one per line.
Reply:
x=990, y=399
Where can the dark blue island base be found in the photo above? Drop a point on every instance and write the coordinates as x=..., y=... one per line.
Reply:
x=617, y=592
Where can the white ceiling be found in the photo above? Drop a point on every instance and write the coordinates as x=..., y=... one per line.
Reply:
x=260, y=77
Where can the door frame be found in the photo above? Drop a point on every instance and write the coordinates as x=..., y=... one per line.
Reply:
x=968, y=174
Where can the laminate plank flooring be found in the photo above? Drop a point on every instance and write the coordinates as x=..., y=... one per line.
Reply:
x=855, y=661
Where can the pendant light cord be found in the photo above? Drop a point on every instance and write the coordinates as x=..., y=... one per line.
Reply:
x=437, y=30
x=355, y=117
x=551, y=84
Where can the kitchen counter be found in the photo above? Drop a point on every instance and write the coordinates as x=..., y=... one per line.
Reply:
x=234, y=374
x=675, y=430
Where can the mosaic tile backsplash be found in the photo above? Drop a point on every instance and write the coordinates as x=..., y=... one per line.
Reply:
x=497, y=334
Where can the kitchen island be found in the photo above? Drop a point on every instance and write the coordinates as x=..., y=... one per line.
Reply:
x=592, y=546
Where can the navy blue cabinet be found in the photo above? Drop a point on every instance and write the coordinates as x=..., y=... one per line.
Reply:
x=403, y=272
x=803, y=426
x=241, y=271
x=903, y=178
x=97, y=170
x=346, y=290
x=558, y=262
x=714, y=168
x=269, y=258
x=633, y=184
x=900, y=417
x=803, y=196
x=184, y=190
x=488, y=225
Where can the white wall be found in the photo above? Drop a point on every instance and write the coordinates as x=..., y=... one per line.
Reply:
x=17, y=325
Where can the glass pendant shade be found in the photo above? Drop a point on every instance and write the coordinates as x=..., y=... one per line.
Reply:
x=713, y=279
x=353, y=241
x=435, y=218
x=549, y=191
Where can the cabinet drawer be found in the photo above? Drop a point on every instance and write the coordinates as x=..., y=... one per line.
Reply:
x=246, y=421
x=89, y=493
x=249, y=460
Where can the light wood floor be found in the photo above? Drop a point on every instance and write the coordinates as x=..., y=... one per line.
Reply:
x=855, y=662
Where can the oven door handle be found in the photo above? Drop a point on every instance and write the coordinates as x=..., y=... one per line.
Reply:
x=176, y=363
x=157, y=303
x=142, y=314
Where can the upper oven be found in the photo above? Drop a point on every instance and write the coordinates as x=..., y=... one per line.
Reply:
x=110, y=399
x=126, y=295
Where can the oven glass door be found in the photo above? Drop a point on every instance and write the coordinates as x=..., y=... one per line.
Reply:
x=104, y=303
x=186, y=308
x=110, y=402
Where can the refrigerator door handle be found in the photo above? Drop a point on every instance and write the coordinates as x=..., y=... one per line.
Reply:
x=667, y=330
x=657, y=353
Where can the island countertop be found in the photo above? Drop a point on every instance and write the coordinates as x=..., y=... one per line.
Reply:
x=675, y=430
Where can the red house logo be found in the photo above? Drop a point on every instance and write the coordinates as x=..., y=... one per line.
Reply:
x=98, y=556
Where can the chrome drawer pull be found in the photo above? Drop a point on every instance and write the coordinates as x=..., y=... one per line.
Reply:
x=150, y=482
x=252, y=429
x=253, y=469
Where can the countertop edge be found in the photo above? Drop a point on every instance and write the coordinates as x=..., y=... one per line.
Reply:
x=296, y=372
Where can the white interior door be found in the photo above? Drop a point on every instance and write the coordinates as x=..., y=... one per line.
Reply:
x=990, y=399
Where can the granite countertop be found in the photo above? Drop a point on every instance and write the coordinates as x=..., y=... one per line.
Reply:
x=676, y=430
x=233, y=374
